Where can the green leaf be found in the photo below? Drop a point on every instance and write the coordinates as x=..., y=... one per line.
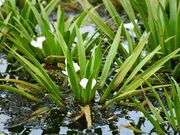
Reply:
x=176, y=101
x=140, y=65
x=60, y=21
x=21, y=92
x=81, y=53
x=150, y=71
x=110, y=57
x=130, y=94
x=112, y=11
x=51, y=6
x=154, y=111
x=130, y=12
x=39, y=89
x=74, y=81
x=127, y=65
x=97, y=19
x=40, y=111
x=125, y=68
x=149, y=117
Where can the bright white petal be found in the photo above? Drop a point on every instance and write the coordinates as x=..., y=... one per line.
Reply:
x=39, y=42
x=65, y=72
x=35, y=44
x=2, y=2
x=84, y=82
x=93, y=83
x=130, y=25
x=76, y=66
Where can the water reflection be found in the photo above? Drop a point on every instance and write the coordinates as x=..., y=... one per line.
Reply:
x=113, y=128
x=3, y=120
x=60, y=124
x=3, y=63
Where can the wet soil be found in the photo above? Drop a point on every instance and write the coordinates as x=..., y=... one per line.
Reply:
x=15, y=111
x=15, y=114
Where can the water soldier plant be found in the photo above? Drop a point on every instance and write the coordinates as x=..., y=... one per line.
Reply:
x=171, y=111
x=96, y=66
x=161, y=18
x=37, y=33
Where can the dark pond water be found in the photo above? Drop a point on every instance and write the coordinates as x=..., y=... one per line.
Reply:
x=14, y=109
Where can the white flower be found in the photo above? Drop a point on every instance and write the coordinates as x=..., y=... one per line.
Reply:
x=44, y=3
x=2, y=2
x=144, y=53
x=76, y=68
x=84, y=82
x=39, y=42
x=130, y=26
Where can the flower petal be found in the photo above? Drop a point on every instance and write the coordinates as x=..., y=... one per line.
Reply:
x=65, y=72
x=130, y=25
x=41, y=39
x=84, y=82
x=76, y=66
x=39, y=42
x=2, y=2
x=93, y=83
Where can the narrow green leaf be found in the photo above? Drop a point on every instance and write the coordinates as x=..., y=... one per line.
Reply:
x=150, y=71
x=21, y=92
x=154, y=111
x=81, y=53
x=40, y=111
x=24, y=83
x=114, y=14
x=110, y=57
x=51, y=6
x=74, y=81
x=124, y=68
x=96, y=18
x=149, y=117
x=130, y=12
x=130, y=94
x=140, y=65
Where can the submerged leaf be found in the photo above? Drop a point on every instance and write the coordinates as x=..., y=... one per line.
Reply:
x=40, y=111
x=33, y=115
x=87, y=112
x=133, y=128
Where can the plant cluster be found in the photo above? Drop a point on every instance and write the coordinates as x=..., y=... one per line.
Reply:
x=99, y=64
